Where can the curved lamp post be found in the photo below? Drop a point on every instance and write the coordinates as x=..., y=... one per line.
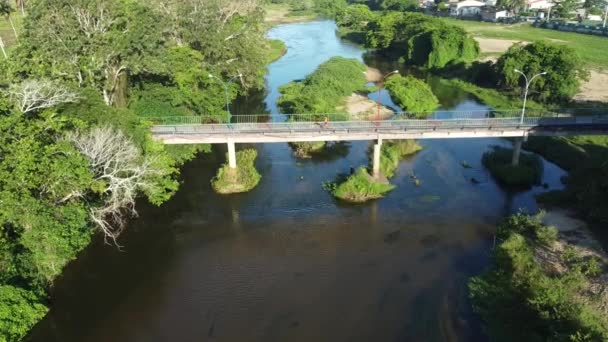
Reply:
x=528, y=82
x=380, y=89
x=226, y=88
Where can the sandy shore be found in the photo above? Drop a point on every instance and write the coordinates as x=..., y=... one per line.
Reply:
x=361, y=107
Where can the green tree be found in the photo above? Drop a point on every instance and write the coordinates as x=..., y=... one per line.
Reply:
x=564, y=68
x=421, y=40
x=399, y=5
x=356, y=17
x=565, y=8
x=19, y=311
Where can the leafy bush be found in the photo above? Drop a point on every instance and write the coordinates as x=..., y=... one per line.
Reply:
x=412, y=95
x=306, y=149
x=565, y=70
x=359, y=187
x=20, y=310
x=242, y=179
x=322, y=91
x=546, y=235
x=498, y=161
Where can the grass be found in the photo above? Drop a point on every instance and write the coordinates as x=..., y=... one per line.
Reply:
x=528, y=173
x=277, y=14
x=592, y=49
x=494, y=98
x=242, y=179
x=359, y=187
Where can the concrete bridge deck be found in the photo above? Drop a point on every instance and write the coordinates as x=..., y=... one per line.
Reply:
x=272, y=132
x=262, y=130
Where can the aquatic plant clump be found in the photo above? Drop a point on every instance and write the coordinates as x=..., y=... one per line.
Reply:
x=528, y=173
x=393, y=151
x=359, y=187
x=306, y=149
x=242, y=179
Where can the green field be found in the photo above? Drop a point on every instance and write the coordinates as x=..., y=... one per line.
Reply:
x=593, y=49
x=6, y=32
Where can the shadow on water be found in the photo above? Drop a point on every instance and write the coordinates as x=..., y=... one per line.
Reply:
x=286, y=262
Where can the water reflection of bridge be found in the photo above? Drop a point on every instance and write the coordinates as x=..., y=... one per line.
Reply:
x=340, y=127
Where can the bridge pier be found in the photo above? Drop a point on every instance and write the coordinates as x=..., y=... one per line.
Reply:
x=231, y=154
x=516, y=151
x=376, y=159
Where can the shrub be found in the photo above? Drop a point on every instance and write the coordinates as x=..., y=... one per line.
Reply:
x=306, y=149
x=527, y=173
x=546, y=235
x=242, y=179
x=412, y=95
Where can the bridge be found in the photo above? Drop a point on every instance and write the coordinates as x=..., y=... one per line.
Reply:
x=339, y=127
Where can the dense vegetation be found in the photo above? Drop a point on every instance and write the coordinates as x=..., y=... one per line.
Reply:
x=498, y=161
x=323, y=90
x=421, y=40
x=563, y=66
x=242, y=179
x=412, y=95
x=74, y=152
x=522, y=299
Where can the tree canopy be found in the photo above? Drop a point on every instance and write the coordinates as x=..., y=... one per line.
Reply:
x=563, y=66
x=412, y=95
x=421, y=40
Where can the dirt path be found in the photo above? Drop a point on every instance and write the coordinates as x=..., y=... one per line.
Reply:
x=595, y=89
x=498, y=46
x=361, y=107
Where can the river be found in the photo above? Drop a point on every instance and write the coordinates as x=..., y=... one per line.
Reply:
x=287, y=262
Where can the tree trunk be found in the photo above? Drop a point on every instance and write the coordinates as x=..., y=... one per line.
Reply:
x=121, y=91
x=10, y=20
x=2, y=47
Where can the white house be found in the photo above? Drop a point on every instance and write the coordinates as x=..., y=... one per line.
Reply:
x=493, y=14
x=467, y=8
x=539, y=4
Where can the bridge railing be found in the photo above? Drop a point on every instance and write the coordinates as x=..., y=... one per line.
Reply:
x=342, y=117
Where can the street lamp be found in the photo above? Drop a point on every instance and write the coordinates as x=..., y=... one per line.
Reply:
x=528, y=82
x=226, y=88
x=380, y=89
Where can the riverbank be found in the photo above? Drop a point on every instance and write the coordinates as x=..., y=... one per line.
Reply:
x=277, y=14
x=548, y=280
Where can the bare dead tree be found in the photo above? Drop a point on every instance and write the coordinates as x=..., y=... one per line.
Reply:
x=31, y=95
x=120, y=166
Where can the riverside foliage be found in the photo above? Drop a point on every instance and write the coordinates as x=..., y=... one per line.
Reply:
x=520, y=300
x=242, y=179
x=75, y=153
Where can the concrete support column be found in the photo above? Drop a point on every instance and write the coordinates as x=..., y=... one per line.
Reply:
x=516, y=151
x=376, y=165
x=231, y=154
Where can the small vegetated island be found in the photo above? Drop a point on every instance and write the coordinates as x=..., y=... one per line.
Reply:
x=243, y=178
x=361, y=186
x=319, y=96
